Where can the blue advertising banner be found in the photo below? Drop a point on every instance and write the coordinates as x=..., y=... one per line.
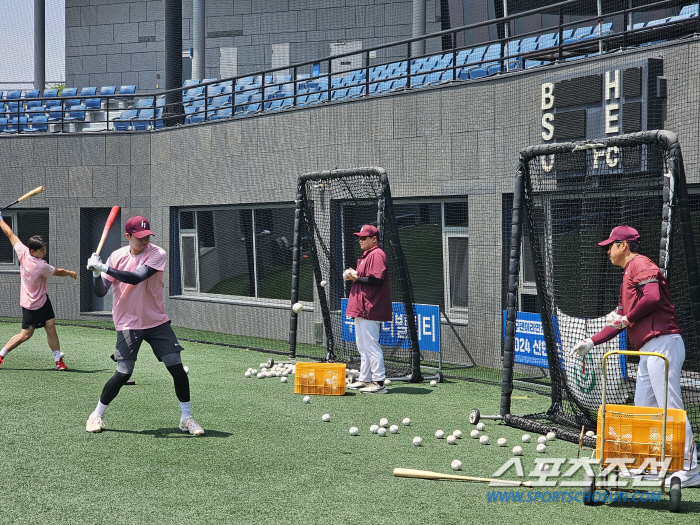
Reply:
x=395, y=332
x=529, y=339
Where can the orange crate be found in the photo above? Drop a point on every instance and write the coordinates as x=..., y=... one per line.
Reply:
x=327, y=379
x=635, y=432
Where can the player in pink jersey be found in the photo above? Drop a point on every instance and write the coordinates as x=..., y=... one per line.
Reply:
x=135, y=275
x=37, y=311
x=645, y=310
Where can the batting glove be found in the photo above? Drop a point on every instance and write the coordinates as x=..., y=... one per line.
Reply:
x=618, y=322
x=582, y=348
x=96, y=266
x=610, y=317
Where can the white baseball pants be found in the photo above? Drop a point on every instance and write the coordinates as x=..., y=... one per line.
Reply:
x=650, y=382
x=371, y=356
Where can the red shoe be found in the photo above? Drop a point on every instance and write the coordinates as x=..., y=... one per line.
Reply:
x=60, y=365
x=1, y=361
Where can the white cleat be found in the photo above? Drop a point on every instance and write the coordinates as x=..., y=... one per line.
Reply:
x=95, y=423
x=191, y=426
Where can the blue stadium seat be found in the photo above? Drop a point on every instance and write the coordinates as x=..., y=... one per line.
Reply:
x=224, y=113
x=476, y=55
x=144, y=119
x=688, y=11
x=547, y=40
x=127, y=92
x=108, y=91
x=190, y=82
x=51, y=93
x=16, y=124
x=38, y=124
x=580, y=33
x=358, y=91
x=32, y=93
x=55, y=113
x=123, y=121
x=3, y=123
x=605, y=29
x=76, y=113
x=15, y=94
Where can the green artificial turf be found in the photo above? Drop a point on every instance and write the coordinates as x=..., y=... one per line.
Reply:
x=266, y=457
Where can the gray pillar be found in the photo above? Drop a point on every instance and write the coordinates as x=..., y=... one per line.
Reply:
x=172, y=10
x=198, y=39
x=418, y=48
x=39, y=44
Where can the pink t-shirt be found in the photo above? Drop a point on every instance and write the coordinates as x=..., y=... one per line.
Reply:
x=35, y=271
x=366, y=301
x=140, y=306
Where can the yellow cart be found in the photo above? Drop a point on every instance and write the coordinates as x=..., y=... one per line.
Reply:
x=637, y=437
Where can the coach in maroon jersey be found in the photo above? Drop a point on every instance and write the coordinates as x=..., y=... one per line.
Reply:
x=646, y=311
x=369, y=304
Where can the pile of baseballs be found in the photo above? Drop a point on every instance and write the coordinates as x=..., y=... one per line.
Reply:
x=281, y=370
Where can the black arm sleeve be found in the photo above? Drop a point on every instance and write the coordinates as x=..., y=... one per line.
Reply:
x=135, y=277
x=372, y=281
x=102, y=286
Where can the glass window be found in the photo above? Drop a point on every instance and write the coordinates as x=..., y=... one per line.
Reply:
x=25, y=224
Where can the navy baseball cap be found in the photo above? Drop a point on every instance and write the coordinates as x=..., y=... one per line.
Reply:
x=138, y=227
x=368, y=231
x=621, y=233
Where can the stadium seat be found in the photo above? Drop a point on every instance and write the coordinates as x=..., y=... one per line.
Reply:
x=144, y=119
x=76, y=113
x=547, y=40
x=123, y=121
x=32, y=93
x=3, y=124
x=224, y=113
x=605, y=29
x=38, y=124
x=190, y=82
x=16, y=124
x=126, y=92
x=358, y=91
x=52, y=96
x=688, y=11
x=580, y=33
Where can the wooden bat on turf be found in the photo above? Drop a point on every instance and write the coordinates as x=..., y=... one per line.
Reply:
x=108, y=226
x=26, y=196
x=426, y=474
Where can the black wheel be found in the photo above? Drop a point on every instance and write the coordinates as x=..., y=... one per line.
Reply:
x=588, y=490
x=474, y=416
x=674, y=493
x=439, y=377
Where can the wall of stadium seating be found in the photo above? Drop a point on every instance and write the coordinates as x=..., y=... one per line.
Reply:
x=458, y=139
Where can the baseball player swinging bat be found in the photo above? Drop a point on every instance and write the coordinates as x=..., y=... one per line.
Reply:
x=26, y=196
x=108, y=226
x=426, y=474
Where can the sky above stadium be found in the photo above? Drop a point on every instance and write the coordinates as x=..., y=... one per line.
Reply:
x=17, y=43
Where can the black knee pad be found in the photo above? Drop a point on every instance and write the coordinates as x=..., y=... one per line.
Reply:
x=177, y=371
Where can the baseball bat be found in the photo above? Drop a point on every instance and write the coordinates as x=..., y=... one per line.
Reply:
x=426, y=474
x=108, y=226
x=26, y=196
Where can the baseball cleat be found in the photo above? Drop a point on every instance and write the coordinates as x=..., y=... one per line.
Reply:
x=191, y=426
x=95, y=423
x=60, y=365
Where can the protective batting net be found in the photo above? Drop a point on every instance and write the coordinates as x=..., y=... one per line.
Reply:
x=569, y=197
x=331, y=206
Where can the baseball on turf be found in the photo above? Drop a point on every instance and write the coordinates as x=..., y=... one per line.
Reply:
x=439, y=434
x=247, y=374
x=474, y=434
x=283, y=379
x=383, y=422
x=451, y=440
x=326, y=418
x=354, y=431
x=543, y=466
x=517, y=450
x=542, y=439
x=260, y=375
x=502, y=442
x=480, y=426
x=433, y=383
x=417, y=441
x=406, y=422
x=387, y=382
x=394, y=429
x=307, y=399
x=457, y=434
x=456, y=465
x=484, y=440
x=381, y=432
x=551, y=436
x=374, y=429
x=541, y=448
x=526, y=438
x=297, y=307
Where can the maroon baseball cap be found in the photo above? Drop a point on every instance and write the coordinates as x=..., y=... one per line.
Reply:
x=621, y=233
x=138, y=227
x=368, y=231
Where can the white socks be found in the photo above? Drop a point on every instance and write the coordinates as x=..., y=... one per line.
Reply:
x=3, y=352
x=56, y=355
x=185, y=409
x=100, y=410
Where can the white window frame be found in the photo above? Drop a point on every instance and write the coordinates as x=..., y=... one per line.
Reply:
x=194, y=238
x=449, y=232
x=14, y=265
